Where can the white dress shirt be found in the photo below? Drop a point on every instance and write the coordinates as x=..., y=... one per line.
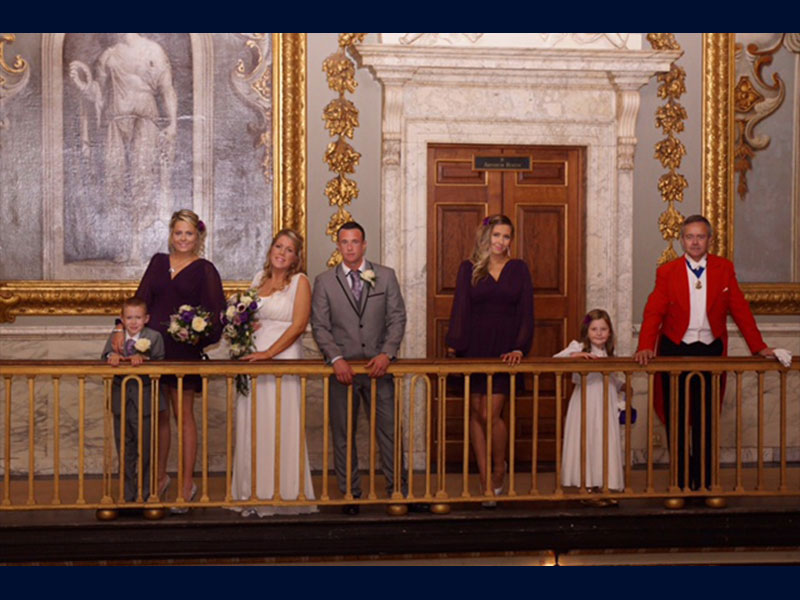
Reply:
x=699, y=328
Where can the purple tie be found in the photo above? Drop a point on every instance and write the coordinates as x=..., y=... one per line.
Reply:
x=130, y=347
x=357, y=284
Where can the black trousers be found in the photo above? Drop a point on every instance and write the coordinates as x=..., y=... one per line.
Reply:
x=700, y=437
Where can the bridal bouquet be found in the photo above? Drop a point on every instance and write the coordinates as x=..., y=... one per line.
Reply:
x=238, y=327
x=189, y=324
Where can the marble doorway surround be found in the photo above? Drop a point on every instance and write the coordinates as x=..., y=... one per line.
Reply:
x=515, y=89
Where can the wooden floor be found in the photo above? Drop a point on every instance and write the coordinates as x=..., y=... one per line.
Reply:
x=752, y=530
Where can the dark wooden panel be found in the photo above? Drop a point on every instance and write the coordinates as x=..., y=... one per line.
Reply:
x=458, y=172
x=441, y=325
x=548, y=336
x=455, y=235
x=540, y=240
x=544, y=173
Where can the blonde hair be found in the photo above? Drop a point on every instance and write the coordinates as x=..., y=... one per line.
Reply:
x=190, y=217
x=483, y=237
x=594, y=315
x=297, y=267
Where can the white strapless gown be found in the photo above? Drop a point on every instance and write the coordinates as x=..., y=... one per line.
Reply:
x=275, y=315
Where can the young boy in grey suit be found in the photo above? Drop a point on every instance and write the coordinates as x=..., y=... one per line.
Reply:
x=141, y=343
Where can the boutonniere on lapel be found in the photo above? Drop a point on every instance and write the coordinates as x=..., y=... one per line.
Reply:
x=142, y=346
x=369, y=276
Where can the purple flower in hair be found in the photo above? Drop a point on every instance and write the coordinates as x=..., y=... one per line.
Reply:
x=587, y=319
x=201, y=227
x=485, y=221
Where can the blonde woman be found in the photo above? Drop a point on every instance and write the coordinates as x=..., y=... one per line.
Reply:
x=170, y=281
x=492, y=318
x=284, y=309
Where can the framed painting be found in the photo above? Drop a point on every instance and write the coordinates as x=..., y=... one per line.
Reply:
x=136, y=126
x=751, y=185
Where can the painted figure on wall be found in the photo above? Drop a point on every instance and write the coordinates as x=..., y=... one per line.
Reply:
x=127, y=116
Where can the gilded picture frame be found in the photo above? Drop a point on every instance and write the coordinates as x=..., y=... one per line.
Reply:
x=285, y=150
x=718, y=172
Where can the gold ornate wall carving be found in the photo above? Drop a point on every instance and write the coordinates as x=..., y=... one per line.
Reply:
x=718, y=170
x=754, y=100
x=670, y=151
x=13, y=77
x=289, y=150
x=341, y=119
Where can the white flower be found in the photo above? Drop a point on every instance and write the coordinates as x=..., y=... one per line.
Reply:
x=174, y=326
x=199, y=324
x=229, y=331
x=184, y=307
x=230, y=312
x=247, y=300
x=142, y=345
x=369, y=276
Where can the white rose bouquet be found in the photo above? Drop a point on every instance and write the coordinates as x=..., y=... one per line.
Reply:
x=190, y=324
x=238, y=328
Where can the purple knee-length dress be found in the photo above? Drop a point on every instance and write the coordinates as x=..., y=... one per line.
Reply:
x=198, y=284
x=491, y=318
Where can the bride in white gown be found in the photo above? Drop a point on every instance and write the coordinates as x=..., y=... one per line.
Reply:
x=284, y=311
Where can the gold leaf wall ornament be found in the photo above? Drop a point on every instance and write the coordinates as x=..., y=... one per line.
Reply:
x=670, y=118
x=341, y=191
x=341, y=119
x=341, y=72
x=754, y=100
x=670, y=151
x=671, y=186
x=341, y=157
x=673, y=83
x=663, y=41
x=13, y=77
x=346, y=40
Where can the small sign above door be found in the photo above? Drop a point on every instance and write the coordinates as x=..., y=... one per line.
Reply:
x=501, y=163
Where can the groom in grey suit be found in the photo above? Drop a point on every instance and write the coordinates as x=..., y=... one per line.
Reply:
x=357, y=313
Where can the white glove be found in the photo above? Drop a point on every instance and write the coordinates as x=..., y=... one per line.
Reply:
x=783, y=356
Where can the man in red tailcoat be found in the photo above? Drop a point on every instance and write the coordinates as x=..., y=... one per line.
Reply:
x=686, y=315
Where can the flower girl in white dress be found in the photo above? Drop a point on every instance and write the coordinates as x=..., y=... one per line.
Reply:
x=597, y=341
x=283, y=314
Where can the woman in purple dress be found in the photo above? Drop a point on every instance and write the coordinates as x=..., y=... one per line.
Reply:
x=171, y=280
x=492, y=317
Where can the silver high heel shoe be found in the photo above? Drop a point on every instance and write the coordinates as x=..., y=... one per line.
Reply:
x=182, y=510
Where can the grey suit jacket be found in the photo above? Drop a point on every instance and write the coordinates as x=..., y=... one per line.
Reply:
x=358, y=331
x=156, y=344
x=132, y=389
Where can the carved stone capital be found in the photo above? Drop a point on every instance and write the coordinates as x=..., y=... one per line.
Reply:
x=390, y=153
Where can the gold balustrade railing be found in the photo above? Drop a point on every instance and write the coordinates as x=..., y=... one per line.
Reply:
x=31, y=406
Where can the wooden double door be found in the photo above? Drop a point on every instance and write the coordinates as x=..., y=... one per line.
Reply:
x=546, y=205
